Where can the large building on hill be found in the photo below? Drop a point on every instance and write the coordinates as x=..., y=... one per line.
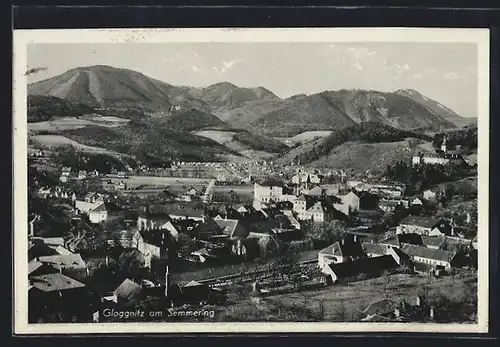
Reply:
x=441, y=157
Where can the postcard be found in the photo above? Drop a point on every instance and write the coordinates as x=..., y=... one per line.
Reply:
x=251, y=180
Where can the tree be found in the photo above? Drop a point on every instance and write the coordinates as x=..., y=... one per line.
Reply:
x=326, y=232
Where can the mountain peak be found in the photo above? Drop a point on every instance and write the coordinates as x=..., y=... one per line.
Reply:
x=407, y=92
x=223, y=84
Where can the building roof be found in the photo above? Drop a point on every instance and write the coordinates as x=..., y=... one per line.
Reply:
x=54, y=282
x=230, y=227
x=432, y=241
x=156, y=238
x=51, y=240
x=33, y=265
x=425, y=222
x=428, y=253
x=400, y=239
x=381, y=307
x=184, y=210
x=347, y=248
x=100, y=208
x=74, y=261
x=364, y=265
x=321, y=206
x=127, y=289
x=374, y=248
x=272, y=183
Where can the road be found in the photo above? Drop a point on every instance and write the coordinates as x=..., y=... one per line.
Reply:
x=208, y=195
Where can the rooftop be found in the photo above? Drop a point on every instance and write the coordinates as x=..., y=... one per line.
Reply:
x=426, y=222
x=54, y=282
x=427, y=253
x=364, y=265
x=74, y=261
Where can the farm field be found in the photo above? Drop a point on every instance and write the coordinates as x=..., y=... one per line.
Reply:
x=75, y=123
x=346, y=302
x=304, y=137
x=164, y=181
x=61, y=141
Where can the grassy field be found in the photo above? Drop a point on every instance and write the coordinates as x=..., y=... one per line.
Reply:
x=305, y=137
x=134, y=181
x=61, y=141
x=344, y=302
x=75, y=123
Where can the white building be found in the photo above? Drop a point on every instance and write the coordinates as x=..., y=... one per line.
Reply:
x=98, y=214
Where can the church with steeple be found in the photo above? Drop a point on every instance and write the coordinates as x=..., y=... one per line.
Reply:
x=442, y=156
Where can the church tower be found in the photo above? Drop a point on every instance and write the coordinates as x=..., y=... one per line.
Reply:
x=443, y=146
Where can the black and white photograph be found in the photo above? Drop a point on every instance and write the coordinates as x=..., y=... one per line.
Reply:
x=246, y=180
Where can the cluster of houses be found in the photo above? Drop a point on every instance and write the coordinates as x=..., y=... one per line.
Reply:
x=442, y=156
x=422, y=244
x=67, y=174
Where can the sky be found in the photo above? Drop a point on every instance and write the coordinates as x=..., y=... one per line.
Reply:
x=445, y=72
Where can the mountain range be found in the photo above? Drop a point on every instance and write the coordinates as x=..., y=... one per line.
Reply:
x=226, y=107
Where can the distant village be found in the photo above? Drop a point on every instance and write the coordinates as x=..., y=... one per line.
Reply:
x=103, y=241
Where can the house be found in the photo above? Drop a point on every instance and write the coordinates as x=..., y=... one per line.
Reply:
x=351, y=200
x=321, y=212
x=90, y=202
x=192, y=191
x=180, y=211
x=271, y=190
x=347, y=249
x=93, y=197
x=233, y=227
x=64, y=178
x=37, y=268
x=398, y=240
x=302, y=204
x=152, y=244
x=150, y=221
x=325, y=190
x=440, y=157
x=350, y=269
x=98, y=214
x=50, y=241
x=244, y=210
x=417, y=225
x=304, y=177
x=44, y=192
x=55, y=283
x=374, y=249
x=62, y=262
x=389, y=205
x=128, y=292
x=429, y=194
x=206, y=230
x=435, y=242
x=429, y=256
x=416, y=202
x=294, y=223
x=82, y=174
x=120, y=185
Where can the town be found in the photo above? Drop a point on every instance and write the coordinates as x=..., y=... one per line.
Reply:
x=252, y=240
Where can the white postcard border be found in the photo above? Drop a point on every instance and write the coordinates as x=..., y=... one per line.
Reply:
x=331, y=35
